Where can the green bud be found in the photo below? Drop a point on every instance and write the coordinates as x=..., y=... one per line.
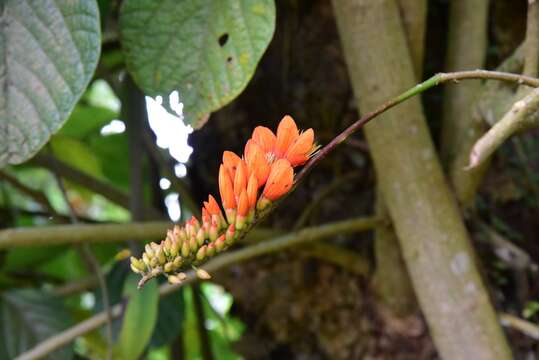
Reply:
x=185, y=249
x=177, y=263
x=263, y=203
x=139, y=265
x=134, y=269
x=203, y=274
x=175, y=248
x=201, y=253
x=193, y=246
x=169, y=267
x=240, y=222
x=181, y=276
x=211, y=250
x=148, y=249
x=146, y=259
x=173, y=279
x=161, y=256
x=200, y=237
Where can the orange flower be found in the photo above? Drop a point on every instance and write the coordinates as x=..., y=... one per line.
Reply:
x=226, y=189
x=280, y=180
x=298, y=153
x=252, y=191
x=240, y=179
x=287, y=133
x=265, y=138
x=212, y=207
x=243, y=204
x=257, y=162
x=230, y=161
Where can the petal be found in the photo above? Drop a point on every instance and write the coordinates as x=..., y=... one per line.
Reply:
x=212, y=206
x=287, y=133
x=252, y=191
x=257, y=162
x=280, y=180
x=226, y=189
x=243, y=203
x=240, y=179
x=298, y=152
x=230, y=161
x=264, y=137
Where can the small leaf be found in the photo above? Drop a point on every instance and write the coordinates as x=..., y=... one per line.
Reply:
x=139, y=319
x=49, y=51
x=29, y=317
x=208, y=50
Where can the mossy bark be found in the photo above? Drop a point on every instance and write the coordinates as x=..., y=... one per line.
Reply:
x=434, y=241
x=391, y=282
x=462, y=127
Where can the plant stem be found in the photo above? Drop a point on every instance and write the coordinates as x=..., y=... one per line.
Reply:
x=280, y=243
x=435, y=80
x=82, y=233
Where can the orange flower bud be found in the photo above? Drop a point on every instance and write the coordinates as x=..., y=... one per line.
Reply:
x=226, y=189
x=230, y=161
x=212, y=206
x=280, y=180
x=240, y=180
x=257, y=162
x=243, y=204
x=252, y=191
x=265, y=138
x=287, y=133
x=298, y=153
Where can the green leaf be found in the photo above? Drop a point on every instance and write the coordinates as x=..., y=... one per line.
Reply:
x=170, y=319
x=49, y=51
x=77, y=154
x=86, y=120
x=139, y=320
x=29, y=317
x=208, y=50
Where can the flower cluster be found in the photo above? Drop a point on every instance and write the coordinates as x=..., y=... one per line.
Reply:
x=248, y=185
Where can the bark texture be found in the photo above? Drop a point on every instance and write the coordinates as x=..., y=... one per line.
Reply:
x=433, y=238
x=461, y=126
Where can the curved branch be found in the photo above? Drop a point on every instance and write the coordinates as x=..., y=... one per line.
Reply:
x=416, y=90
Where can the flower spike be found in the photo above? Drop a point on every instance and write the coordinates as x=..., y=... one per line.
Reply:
x=268, y=165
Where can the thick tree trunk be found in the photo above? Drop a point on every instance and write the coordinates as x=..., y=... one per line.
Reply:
x=467, y=45
x=391, y=282
x=433, y=238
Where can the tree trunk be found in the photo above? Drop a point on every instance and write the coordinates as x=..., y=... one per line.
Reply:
x=433, y=238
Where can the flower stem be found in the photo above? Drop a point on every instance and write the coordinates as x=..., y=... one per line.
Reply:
x=416, y=90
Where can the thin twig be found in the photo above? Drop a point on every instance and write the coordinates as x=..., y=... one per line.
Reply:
x=525, y=327
x=36, y=195
x=418, y=89
x=280, y=243
x=92, y=265
x=76, y=286
x=321, y=195
x=70, y=173
x=517, y=118
x=177, y=183
x=81, y=233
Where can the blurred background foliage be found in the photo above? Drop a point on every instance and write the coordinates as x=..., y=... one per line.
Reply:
x=301, y=303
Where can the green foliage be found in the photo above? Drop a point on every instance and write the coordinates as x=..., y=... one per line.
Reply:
x=208, y=50
x=49, y=51
x=28, y=317
x=139, y=319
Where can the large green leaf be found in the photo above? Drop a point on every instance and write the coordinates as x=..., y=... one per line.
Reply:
x=28, y=317
x=48, y=53
x=139, y=319
x=206, y=49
